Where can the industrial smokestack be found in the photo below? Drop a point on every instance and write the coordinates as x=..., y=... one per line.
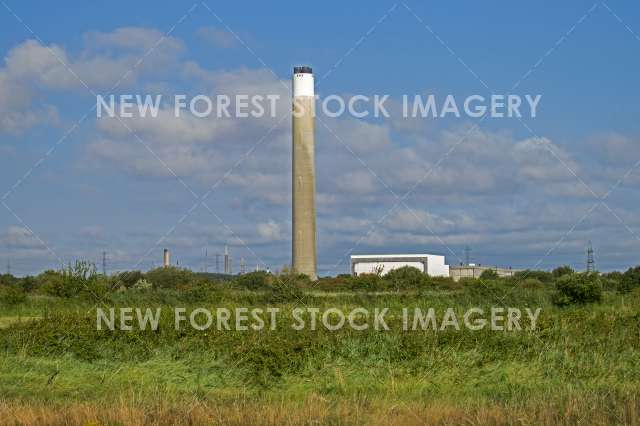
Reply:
x=227, y=265
x=304, y=175
x=165, y=258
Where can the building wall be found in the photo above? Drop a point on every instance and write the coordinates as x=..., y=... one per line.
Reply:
x=433, y=265
x=458, y=272
x=437, y=267
x=383, y=267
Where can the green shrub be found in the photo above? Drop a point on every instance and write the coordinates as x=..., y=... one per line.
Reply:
x=446, y=283
x=531, y=283
x=488, y=290
x=49, y=279
x=561, y=271
x=578, y=289
x=258, y=280
x=125, y=279
x=7, y=279
x=488, y=275
x=79, y=279
x=406, y=277
x=170, y=277
x=368, y=282
x=629, y=280
x=28, y=283
x=284, y=291
x=142, y=284
x=12, y=295
x=614, y=281
x=543, y=276
x=342, y=282
x=201, y=291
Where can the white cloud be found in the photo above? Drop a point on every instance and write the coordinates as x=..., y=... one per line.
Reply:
x=270, y=231
x=33, y=70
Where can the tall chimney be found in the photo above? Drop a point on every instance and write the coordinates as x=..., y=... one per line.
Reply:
x=227, y=266
x=304, y=175
x=165, y=258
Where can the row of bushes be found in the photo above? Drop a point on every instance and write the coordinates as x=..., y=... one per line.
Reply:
x=82, y=280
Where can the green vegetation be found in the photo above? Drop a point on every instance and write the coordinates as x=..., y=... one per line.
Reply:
x=488, y=274
x=562, y=270
x=580, y=364
x=578, y=288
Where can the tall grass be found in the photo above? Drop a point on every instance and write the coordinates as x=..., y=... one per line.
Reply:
x=580, y=366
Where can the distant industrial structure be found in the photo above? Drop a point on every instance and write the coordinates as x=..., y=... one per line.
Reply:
x=591, y=263
x=474, y=271
x=165, y=259
x=227, y=261
x=431, y=264
x=228, y=265
x=303, y=173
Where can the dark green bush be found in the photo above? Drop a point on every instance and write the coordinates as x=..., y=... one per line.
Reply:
x=8, y=279
x=489, y=274
x=342, y=282
x=561, y=271
x=170, y=277
x=446, y=283
x=126, y=279
x=12, y=295
x=202, y=291
x=79, y=279
x=258, y=280
x=406, y=277
x=28, y=283
x=531, y=283
x=543, y=276
x=368, y=282
x=49, y=279
x=614, y=281
x=578, y=288
x=629, y=280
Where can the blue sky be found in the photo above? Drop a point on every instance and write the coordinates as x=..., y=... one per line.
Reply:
x=520, y=194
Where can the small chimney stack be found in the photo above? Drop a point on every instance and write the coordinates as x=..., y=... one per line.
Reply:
x=165, y=258
x=227, y=264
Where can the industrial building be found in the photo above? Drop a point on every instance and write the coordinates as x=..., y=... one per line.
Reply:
x=431, y=264
x=474, y=271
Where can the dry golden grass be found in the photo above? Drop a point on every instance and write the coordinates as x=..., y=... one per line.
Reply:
x=7, y=321
x=317, y=410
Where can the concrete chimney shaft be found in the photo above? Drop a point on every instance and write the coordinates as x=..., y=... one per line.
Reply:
x=304, y=176
x=165, y=258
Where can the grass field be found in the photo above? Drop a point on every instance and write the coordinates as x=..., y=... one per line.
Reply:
x=581, y=365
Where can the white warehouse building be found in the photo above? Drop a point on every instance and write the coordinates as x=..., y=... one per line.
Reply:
x=431, y=264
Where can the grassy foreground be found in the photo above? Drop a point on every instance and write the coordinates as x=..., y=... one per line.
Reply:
x=581, y=365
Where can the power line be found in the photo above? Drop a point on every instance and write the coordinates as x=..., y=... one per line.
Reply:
x=467, y=255
x=104, y=263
